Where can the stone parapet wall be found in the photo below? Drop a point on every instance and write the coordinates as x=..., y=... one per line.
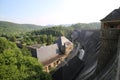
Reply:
x=109, y=42
x=112, y=70
x=110, y=33
x=109, y=72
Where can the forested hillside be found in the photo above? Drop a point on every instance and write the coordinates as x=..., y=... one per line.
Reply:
x=94, y=25
x=18, y=64
x=29, y=34
x=45, y=36
x=8, y=28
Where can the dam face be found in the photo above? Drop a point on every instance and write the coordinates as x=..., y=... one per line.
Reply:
x=102, y=50
x=108, y=57
x=109, y=43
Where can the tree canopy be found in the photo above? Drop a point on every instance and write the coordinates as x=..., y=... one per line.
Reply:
x=38, y=34
x=17, y=64
x=9, y=28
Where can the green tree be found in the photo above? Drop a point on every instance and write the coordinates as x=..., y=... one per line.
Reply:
x=13, y=38
x=17, y=64
x=43, y=38
x=49, y=39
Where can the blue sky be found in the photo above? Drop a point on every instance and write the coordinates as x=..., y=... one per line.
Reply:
x=46, y=12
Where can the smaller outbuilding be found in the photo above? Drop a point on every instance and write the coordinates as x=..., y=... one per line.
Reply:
x=52, y=55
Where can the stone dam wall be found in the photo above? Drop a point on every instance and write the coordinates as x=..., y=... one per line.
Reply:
x=109, y=43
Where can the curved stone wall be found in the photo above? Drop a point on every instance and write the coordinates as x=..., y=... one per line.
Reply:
x=109, y=42
x=90, y=39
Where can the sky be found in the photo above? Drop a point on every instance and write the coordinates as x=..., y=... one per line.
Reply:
x=55, y=12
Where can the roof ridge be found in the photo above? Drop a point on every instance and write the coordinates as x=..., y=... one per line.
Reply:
x=114, y=15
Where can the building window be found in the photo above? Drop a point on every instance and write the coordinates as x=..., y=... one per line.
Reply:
x=57, y=62
x=112, y=26
x=118, y=26
x=45, y=68
x=54, y=64
x=49, y=67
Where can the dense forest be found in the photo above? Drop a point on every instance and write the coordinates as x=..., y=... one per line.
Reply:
x=48, y=36
x=18, y=64
x=28, y=34
x=9, y=28
x=94, y=25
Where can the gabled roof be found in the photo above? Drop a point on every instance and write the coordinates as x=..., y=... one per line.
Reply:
x=113, y=16
x=46, y=53
x=62, y=40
